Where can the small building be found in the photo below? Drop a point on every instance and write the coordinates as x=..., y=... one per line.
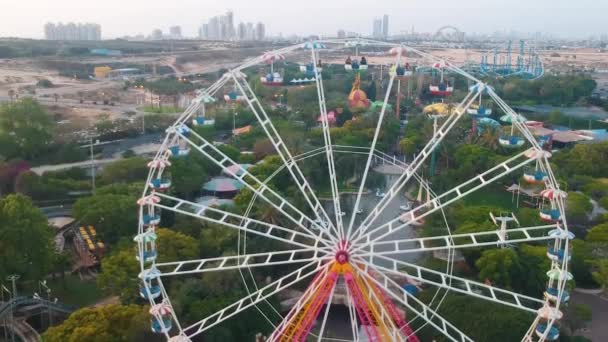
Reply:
x=102, y=71
x=105, y=52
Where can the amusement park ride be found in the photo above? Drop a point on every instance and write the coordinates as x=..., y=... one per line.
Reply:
x=506, y=63
x=358, y=252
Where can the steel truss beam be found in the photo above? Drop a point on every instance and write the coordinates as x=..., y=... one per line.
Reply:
x=271, y=231
x=465, y=240
x=420, y=309
x=240, y=261
x=312, y=288
x=416, y=163
x=254, y=298
x=457, y=284
x=448, y=197
x=381, y=309
x=335, y=192
x=372, y=148
x=281, y=148
x=259, y=188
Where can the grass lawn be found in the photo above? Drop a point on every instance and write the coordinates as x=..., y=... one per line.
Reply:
x=161, y=110
x=72, y=291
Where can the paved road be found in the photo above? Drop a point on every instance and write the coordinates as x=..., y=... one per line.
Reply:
x=599, y=307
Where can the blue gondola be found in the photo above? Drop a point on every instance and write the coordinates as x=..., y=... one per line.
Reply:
x=556, y=254
x=532, y=175
x=553, y=332
x=166, y=325
x=552, y=293
x=178, y=151
x=160, y=184
x=151, y=220
x=550, y=215
x=511, y=141
x=153, y=290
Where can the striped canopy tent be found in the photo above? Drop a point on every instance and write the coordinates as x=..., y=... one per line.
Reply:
x=397, y=50
x=223, y=185
x=315, y=45
x=475, y=88
x=271, y=57
x=440, y=64
x=355, y=43
x=236, y=169
x=206, y=98
x=512, y=118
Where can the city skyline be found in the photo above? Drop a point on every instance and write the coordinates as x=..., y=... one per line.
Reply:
x=472, y=16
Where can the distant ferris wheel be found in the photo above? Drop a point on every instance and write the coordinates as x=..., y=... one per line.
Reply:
x=352, y=250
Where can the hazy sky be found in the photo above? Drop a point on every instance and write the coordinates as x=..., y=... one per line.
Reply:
x=580, y=18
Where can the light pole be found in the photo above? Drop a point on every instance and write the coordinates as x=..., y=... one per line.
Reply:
x=13, y=279
x=92, y=164
x=4, y=319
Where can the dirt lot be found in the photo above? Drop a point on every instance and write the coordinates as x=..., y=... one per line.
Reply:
x=22, y=75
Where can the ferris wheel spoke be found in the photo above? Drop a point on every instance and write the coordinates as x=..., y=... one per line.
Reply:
x=454, y=283
x=372, y=149
x=335, y=191
x=416, y=163
x=385, y=316
x=352, y=314
x=262, y=190
x=299, y=305
x=281, y=148
x=441, y=201
x=240, y=262
x=224, y=218
x=466, y=240
x=413, y=304
x=254, y=298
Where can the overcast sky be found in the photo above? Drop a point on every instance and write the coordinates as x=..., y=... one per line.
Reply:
x=565, y=18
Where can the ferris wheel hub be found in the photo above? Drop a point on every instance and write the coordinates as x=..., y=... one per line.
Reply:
x=342, y=256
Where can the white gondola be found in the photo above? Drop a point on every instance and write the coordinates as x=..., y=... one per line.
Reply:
x=443, y=87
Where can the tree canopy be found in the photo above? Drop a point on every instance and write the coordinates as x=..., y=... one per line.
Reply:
x=25, y=129
x=26, y=240
x=106, y=323
x=113, y=216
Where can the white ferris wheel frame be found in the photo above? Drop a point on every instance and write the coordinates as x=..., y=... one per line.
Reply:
x=315, y=239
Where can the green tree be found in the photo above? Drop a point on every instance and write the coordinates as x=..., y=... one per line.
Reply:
x=125, y=171
x=26, y=241
x=175, y=246
x=499, y=266
x=188, y=174
x=598, y=233
x=407, y=146
x=113, y=216
x=25, y=129
x=119, y=275
x=119, y=270
x=578, y=207
x=113, y=322
x=600, y=273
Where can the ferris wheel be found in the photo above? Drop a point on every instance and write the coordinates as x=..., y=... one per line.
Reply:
x=350, y=249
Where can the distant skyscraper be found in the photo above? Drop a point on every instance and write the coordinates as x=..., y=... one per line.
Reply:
x=157, y=34
x=72, y=31
x=385, y=26
x=250, y=32
x=222, y=27
x=175, y=32
x=241, y=32
x=377, y=28
x=341, y=34
x=260, y=31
